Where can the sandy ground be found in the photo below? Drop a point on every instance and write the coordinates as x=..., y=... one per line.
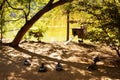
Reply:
x=74, y=57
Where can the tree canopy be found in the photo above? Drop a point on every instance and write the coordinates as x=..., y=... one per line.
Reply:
x=105, y=18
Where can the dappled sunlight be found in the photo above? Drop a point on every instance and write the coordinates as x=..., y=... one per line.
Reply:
x=74, y=57
x=105, y=78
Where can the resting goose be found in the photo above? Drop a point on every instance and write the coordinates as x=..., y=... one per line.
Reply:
x=59, y=67
x=93, y=66
x=42, y=68
x=27, y=62
x=96, y=59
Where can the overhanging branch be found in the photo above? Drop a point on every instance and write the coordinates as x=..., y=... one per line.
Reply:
x=50, y=5
x=18, y=9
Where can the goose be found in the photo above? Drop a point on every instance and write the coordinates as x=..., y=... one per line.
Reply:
x=27, y=62
x=96, y=59
x=92, y=67
x=42, y=68
x=59, y=67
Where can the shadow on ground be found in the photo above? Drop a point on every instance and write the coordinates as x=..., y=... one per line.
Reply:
x=74, y=57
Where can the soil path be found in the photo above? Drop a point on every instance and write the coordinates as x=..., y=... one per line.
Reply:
x=74, y=57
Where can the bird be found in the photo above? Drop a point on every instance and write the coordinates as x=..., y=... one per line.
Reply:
x=96, y=59
x=27, y=62
x=42, y=68
x=92, y=67
x=59, y=67
x=80, y=41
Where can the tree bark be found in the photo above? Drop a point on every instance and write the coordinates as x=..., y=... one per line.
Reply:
x=29, y=23
x=1, y=6
x=67, y=26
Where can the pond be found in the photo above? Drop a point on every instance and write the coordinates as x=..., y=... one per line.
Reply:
x=51, y=35
x=57, y=34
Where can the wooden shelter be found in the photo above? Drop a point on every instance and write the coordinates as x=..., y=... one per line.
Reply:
x=80, y=32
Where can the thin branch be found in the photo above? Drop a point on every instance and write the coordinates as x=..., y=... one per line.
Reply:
x=27, y=14
x=18, y=9
x=60, y=2
x=13, y=20
x=13, y=7
x=28, y=10
x=2, y=4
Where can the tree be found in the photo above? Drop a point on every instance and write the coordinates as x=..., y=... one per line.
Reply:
x=106, y=18
x=1, y=21
x=104, y=21
x=30, y=21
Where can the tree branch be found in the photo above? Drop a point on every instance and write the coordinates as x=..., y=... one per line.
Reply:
x=50, y=5
x=2, y=4
x=60, y=2
x=18, y=9
x=51, y=1
x=27, y=14
x=12, y=20
x=13, y=7
x=111, y=40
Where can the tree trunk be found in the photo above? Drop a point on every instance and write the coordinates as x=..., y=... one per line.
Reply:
x=29, y=23
x=67, y=26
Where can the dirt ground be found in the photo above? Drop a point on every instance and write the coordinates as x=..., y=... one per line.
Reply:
x=74, y=57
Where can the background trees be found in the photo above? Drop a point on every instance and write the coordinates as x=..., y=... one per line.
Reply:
x=104, y=23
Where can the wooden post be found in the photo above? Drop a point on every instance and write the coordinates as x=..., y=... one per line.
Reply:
x=67, y=25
